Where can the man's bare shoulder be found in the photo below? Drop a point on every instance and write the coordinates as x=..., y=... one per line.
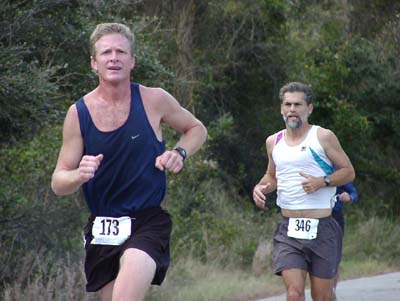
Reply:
x=153, y=93
x=271, y=140
x=325, y=134
x=323, y=131
x=327, y=138
x=158, y=100
x=72, y=111
x=71, y=123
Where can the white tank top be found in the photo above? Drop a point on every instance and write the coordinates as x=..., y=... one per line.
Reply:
x=308, y=157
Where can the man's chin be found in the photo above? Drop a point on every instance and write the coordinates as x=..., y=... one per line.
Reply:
x=293, y=125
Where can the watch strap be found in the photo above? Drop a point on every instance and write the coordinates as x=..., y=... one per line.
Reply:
x=182, y=152
x=327, y=180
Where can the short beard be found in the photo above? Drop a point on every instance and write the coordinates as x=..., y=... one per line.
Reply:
x=293, y=124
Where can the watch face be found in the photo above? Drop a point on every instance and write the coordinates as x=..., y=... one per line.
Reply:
x=182, y=152
x=327, y=180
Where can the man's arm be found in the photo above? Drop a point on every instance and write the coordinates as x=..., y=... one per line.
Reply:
x=194, y=133
x=267, y=183
x=72, y=170
x=344, y=172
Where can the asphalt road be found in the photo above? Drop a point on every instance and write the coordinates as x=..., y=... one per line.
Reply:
x=385, y=287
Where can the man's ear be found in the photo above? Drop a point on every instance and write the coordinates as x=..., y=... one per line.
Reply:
x=310, y=109
x=133, y=62
x=93, y=63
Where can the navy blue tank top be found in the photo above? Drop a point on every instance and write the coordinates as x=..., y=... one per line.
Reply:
x=127, y=179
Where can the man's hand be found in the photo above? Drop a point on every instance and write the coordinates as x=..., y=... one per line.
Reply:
x=170, y=160
x=88, y=166
x=259, y=193
x=344, y=197
x=311, y=184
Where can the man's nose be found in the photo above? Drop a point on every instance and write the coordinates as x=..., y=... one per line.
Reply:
x=114, y=56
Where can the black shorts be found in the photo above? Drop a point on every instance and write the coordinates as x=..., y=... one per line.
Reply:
x=151, y=233
x=338, y=216
x=320, y=256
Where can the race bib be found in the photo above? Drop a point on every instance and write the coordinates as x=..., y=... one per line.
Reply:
x=111, y=230
x=303, y=228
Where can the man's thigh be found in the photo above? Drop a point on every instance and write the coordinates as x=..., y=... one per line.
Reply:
x=321, y=289
x=294, y=279
x=136, y=272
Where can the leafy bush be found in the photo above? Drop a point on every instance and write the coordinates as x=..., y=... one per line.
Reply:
x=31, y=217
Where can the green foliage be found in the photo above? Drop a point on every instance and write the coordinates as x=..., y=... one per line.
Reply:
x=352, y=128
x=212, y=222
x=373, y=85
x=224, y=136
x=25, y=96
x=369, y=17
x=367, y=240
x=32, y=63
x=195, y=198
x=241, y=73
x=31, y=217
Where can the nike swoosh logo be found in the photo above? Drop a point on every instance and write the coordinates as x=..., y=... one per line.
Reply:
x=134, y=137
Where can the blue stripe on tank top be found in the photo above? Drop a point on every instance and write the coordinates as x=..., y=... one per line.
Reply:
x=328, y=169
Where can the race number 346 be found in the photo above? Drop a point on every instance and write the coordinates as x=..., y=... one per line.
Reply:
x=303, y=225
x=303, y=228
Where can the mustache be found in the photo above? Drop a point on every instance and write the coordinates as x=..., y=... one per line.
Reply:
x=293, y=124
x=286, y=118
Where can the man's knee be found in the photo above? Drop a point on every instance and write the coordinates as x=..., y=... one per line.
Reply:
x=107, y=291
x=326, y=295
x=295, y=294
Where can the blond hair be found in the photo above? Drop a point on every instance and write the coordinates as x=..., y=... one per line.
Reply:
x=110, y=28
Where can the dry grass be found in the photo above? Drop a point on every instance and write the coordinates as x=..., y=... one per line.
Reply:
x=61, y=281
x=191, y=280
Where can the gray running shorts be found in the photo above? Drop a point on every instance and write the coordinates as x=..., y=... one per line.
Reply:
x=320, y=257
x=151, y=232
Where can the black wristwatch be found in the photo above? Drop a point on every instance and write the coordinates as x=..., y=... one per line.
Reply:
x=327, y=180
x=181, y=151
